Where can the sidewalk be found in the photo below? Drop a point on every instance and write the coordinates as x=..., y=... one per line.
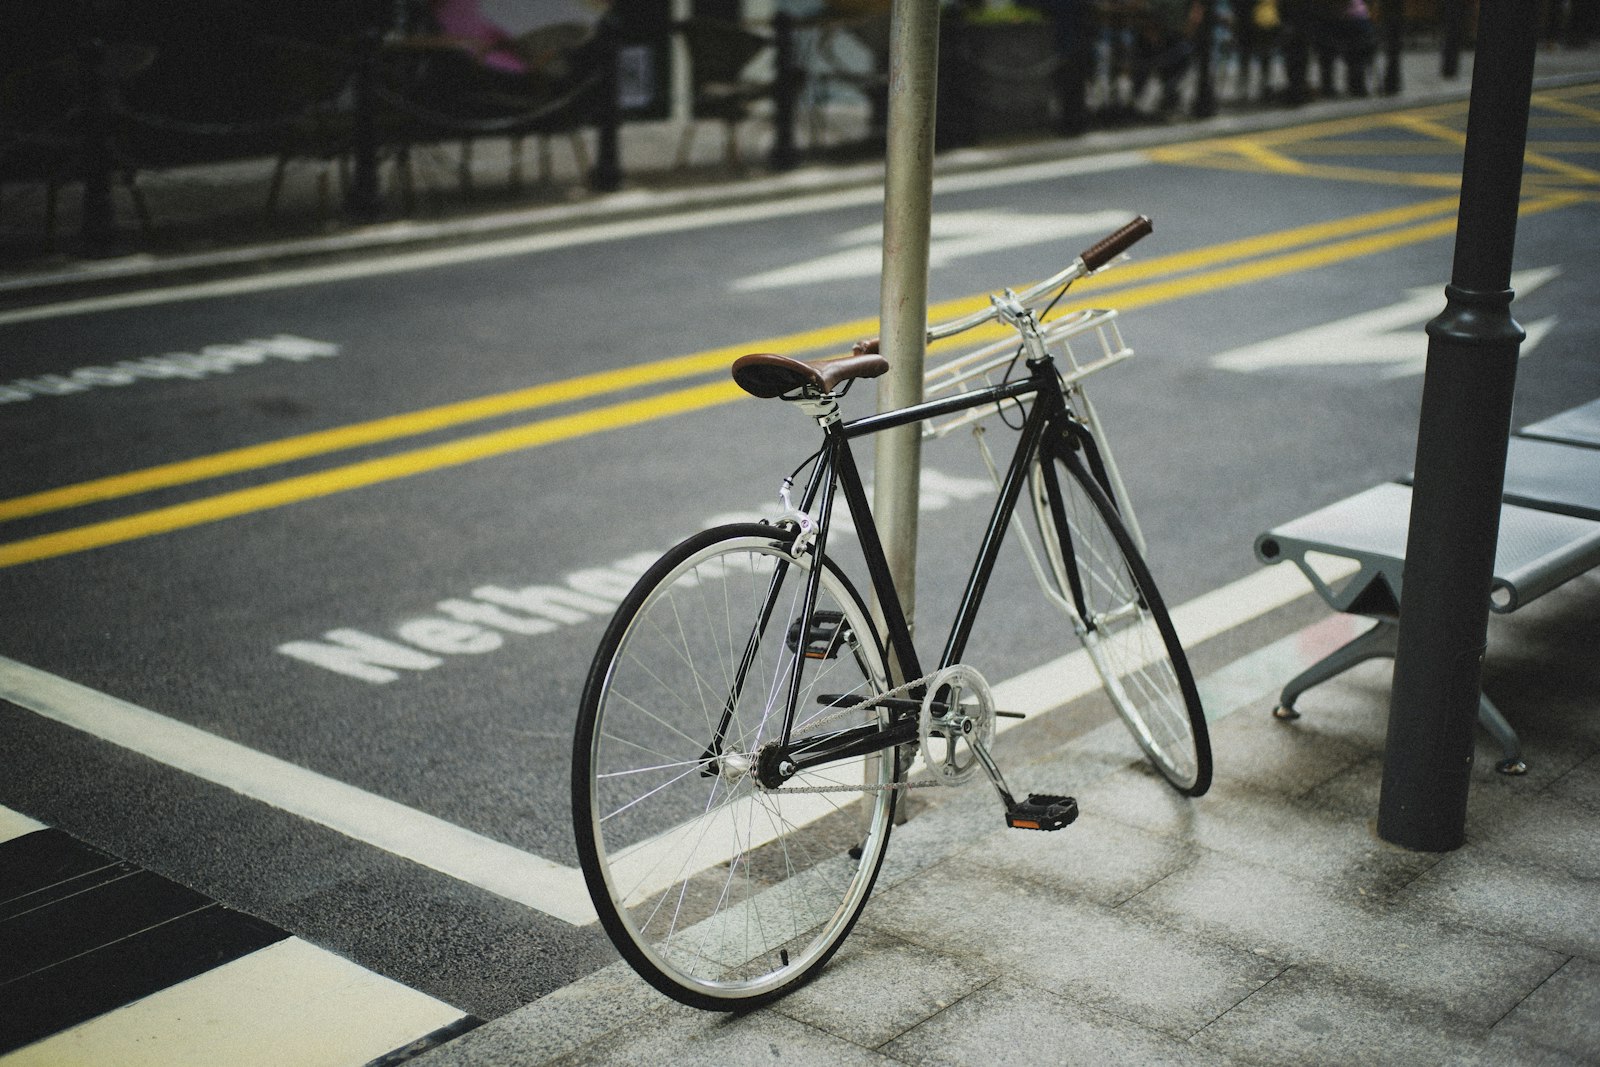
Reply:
x=213, y=218
x=1264, y=923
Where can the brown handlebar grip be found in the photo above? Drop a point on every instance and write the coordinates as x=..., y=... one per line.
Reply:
x=1113, y=246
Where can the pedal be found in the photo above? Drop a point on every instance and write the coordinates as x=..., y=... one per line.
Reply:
x=821, y=637
x=1042, y=812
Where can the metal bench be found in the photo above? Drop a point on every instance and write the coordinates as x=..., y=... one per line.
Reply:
x=1578, y=426
x=1549, y=534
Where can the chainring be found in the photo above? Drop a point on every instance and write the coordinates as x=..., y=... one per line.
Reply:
x=944, y=741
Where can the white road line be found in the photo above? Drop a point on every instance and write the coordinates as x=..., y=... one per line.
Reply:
x=537, y=883
x=534, y=881
x=1061, y=681
x=14, y=824
x=390, y=262
x=290, y=1002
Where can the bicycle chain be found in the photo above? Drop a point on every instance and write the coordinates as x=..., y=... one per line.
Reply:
x=863, y=788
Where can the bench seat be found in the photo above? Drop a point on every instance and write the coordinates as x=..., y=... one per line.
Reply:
x=1554, y=476
x=1575, y=426
x=1549, y=534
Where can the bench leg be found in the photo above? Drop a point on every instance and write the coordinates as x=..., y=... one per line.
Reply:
x=1380, y=641
x=1490, y=719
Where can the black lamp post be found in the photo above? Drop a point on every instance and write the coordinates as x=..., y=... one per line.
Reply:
x=1461, y=458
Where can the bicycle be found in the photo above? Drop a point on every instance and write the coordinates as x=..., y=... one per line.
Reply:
x=748, y=723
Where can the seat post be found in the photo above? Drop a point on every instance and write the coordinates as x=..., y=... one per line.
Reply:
x=824, y=408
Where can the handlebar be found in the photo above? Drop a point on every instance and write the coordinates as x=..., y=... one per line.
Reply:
x=1098, y=255
x=1090, y=260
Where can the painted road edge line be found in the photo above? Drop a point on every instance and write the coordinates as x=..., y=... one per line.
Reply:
x=533, y=881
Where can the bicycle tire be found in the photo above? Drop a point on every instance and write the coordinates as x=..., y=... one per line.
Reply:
x=1126, y=629
x=721, y=894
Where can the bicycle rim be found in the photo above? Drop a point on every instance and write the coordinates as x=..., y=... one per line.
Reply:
x=1125, y=627
x=720, y=893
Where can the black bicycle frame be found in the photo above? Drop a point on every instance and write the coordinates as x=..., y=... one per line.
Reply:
x=1049, y=427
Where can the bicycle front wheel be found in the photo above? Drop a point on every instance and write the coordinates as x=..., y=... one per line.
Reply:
x=1122, y=621
x=721, y=892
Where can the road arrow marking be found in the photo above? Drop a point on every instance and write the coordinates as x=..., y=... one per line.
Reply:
x=1389, y=338
x=955, y=235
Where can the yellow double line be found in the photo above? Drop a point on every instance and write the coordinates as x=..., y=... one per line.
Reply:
x=1141, y=284
x=1277, y=151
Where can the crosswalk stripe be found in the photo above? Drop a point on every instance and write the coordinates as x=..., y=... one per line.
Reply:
x=102, y=962
x=289, y=1003
x=15, y=824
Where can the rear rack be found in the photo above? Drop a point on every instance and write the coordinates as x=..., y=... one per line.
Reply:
x=1100, y=339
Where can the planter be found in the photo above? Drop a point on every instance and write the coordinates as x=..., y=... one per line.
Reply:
x=995, y=80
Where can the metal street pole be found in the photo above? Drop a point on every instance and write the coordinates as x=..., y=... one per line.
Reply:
x=1393, y=24
x=1205, y=81
x=99, y=214
x=606, y=174
x=362, y=202
x=903, y=307
x=1461, y=458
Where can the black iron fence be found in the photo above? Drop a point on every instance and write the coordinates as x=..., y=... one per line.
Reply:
x=93, y=92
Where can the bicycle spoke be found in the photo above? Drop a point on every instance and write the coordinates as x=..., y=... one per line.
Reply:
x=701, y=874
x=1127, y=634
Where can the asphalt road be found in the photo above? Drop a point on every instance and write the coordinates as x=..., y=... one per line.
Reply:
x=308, y=514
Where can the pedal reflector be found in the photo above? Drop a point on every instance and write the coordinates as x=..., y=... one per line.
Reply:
x=1042, y=812
x=821, y=637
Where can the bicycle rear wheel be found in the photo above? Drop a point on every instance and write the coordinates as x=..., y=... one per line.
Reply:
x=1122, y=621
x=722, y=893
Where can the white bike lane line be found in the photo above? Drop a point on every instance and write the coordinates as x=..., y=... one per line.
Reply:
x=533, y=881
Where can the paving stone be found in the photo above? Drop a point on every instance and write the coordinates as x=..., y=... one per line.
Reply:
x=1541, y=905
x=1479, y=976
x=941, y=826
x=1353, y=791
x=1290, y=758
x=1541, y=830
x=1580, y=786
x=1101, y=957
x=1357, y=790
x=1332, y=848
x=1353, y=707
x=1311, y=1016
x=1563, y=1013
x=947, y=821
x=880, y=986
x=1548, y=755
x=560, y=1023
x=1096, y=859
x=707, y=1039
x=1138, y=796
x=1499, y=1050
x=1020, y=1025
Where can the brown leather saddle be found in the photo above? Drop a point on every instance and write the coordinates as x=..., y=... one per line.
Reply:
x=767, y=374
